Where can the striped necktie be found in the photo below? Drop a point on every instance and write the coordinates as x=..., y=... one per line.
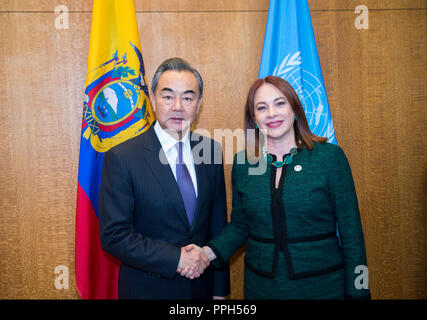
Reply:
x=185, y=185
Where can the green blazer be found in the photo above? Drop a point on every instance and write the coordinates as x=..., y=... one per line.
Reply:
x=318, y=195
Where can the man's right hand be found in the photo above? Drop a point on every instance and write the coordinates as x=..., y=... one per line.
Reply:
x=193, y=261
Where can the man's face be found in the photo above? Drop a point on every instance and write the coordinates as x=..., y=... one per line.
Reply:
x=176, y=101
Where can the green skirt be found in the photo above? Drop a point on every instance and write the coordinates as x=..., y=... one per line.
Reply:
x=328, y=286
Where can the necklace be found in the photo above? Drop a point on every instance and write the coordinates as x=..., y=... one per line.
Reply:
x=279, y=164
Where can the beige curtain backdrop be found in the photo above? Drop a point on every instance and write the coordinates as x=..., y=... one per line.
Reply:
x=376, y=80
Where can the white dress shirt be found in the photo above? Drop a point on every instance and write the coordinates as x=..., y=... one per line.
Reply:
x=169, y=146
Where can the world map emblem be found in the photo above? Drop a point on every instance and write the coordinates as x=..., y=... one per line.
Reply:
x=311, y=92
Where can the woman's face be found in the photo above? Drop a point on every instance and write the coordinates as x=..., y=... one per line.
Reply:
x=273, y=112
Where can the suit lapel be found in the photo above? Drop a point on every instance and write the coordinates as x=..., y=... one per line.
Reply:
x=162, y=172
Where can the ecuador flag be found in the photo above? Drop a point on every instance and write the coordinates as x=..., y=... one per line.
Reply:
x=116, y=107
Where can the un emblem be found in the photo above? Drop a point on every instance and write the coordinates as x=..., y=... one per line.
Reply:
x=311, y=93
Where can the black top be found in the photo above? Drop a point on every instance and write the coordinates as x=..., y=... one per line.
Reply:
x=277, y=205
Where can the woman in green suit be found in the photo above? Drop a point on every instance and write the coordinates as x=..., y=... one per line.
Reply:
x=288, y=215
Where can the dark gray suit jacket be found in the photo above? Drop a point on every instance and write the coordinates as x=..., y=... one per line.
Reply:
x=143, y=222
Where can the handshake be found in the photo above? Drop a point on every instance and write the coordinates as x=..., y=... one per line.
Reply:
x=194, y=260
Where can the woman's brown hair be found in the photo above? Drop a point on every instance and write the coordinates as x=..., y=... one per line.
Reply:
x=303, y=136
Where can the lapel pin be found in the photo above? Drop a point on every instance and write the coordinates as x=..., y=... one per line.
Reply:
x=297, y=168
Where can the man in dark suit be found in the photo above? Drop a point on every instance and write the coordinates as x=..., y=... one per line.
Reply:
x=156, y=198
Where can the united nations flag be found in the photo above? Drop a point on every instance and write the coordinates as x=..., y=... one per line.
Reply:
x=290, y=52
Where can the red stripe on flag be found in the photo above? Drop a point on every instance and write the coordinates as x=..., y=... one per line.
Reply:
x=97, y=272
